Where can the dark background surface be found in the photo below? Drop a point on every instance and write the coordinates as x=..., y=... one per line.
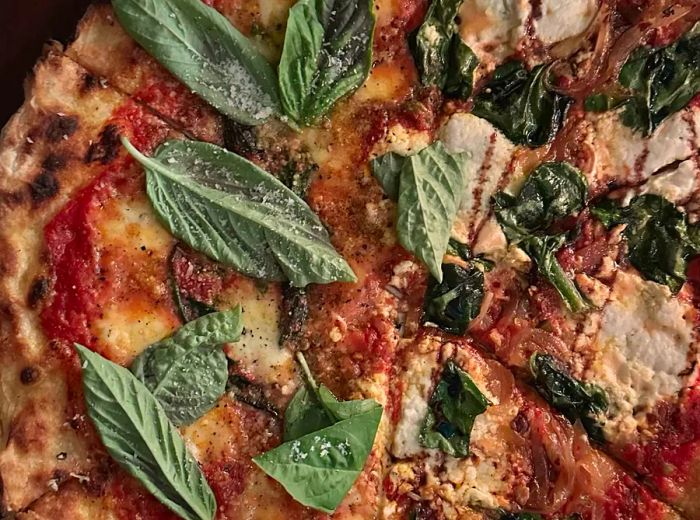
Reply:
x=25, y=26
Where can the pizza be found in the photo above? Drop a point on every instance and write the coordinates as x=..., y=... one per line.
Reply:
x=389, y=259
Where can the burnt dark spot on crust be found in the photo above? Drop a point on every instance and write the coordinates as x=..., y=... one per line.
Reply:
x=105, y=150
x=89, y=83
x=37, y=292
x=44, y=186
x=60, y=127
x=53, y=162
x=29, y=375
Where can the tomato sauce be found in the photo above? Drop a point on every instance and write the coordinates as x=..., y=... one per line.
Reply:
x=72, y=238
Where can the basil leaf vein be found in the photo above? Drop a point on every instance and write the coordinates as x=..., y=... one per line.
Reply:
x=138, y=435
x=187, y=372
x=454, y=405
x=202, y=49
x=226, y=207
x=327, y=54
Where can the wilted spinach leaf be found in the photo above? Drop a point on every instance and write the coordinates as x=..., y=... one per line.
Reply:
x=454, y=302
x=454, y=405
x=659, y=82
x=551, y=192
x=574, y=399
x=442, y=57
x=521, y=104
x=660, y=240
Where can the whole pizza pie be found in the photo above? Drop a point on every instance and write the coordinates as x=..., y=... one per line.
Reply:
x=355, y=259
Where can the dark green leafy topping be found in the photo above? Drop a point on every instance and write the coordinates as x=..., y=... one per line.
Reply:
x=226, y=207
x=326, y=444
x=429, y=186
x=505, y=515
x=138, y=435
x=521, y=104
x=204, y=51
x=454, y=302
x=187, y=372
x=660, y=241
x=552, y=192
x=574, y=399
x=327, y=54
x=442, y=57
x=659, y=82
x=454, y=405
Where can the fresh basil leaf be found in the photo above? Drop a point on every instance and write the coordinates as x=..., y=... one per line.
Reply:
x=462, y=63
x=574, y=399
x=187, y=372
x=454, y=405
x=138, y=435
x=318, y=469
x=224, y=206
x=552, y=191
x=521, y=104
x=387, y=170
x=660, y=241
x=661, y=81
x=327, y=442
x=454, y=302
x=204, y=51
x=430, y=189
x=327, y=54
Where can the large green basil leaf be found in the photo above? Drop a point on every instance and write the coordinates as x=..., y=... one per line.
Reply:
x=454, y=405
x=327, y=54
x=443, y=59
x=229, y=209
x=659, y=239
x=454, y=302
x=661, y=81
x=204, y=51
x=430, y=186
x=139, y=436
x=551, y=192
x=327, y=442
x=187, y=372
x=574, y=399
x=521, y=104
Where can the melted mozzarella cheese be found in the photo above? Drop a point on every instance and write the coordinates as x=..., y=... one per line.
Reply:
x=643, y=346
x=563, y=19
x=490, y=153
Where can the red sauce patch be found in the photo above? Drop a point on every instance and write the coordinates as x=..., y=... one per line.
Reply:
x=133, y=501
x=627, y=500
